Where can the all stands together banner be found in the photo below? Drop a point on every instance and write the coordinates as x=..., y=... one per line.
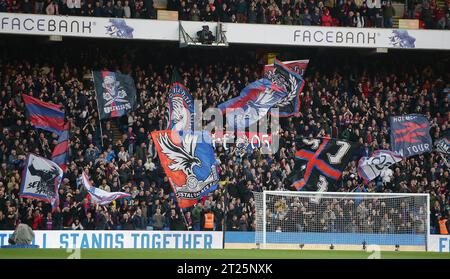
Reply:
x=12, y=23
x=124, y=239
x=159, y=239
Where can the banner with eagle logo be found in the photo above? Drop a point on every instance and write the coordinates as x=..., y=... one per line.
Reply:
x=115, y=94
x=252, y=104
x=188, y=161
x=41, y=180
x=281, y=90
x=181, y=108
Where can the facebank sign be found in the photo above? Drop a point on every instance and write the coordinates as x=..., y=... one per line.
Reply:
x=117, y=28
x=123, y=239
x=337, y=36
x=236, y=33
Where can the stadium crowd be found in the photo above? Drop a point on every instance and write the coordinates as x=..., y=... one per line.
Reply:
x=350, y=215
x=344, y=97
x=349, y=13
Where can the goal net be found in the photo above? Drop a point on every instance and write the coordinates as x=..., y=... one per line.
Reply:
x=351, y=221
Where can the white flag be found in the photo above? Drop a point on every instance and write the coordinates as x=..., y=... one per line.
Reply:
x=41, y=180
x=99, y=196
x=371, y=167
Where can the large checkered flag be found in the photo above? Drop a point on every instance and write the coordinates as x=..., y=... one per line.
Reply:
x=320, y=162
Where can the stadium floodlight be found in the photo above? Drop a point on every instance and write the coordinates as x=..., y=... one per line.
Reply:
x=286, y=219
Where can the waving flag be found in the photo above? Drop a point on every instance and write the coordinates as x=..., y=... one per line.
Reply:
x=60, y=154
x=292, y=84
x=181, y=108
x=410, y=135
x=253, y=103
x=115, y=94
x=188, y=161
x=298, y=66
x=442, y=145
x=41, y=180
x=46, y=116
x=320, y=162
x=371, y=167
x=99, y=196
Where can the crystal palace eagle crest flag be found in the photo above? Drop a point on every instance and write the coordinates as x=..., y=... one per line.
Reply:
x=320, y=162
x=410, y=135
x=188, y=160
x=115, y=94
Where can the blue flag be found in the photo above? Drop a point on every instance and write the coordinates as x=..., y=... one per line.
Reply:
x=181, y=108
x=253, y=103
x=410, y=135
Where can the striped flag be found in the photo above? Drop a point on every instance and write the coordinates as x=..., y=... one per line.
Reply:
x=371, y=167
x=43, y=115
x=99, y=196
x=60, y=154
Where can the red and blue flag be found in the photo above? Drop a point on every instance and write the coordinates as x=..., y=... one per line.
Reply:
x=320, y=162
x=43, y=115
x=410, y=135
x=253, y=103
x=188, y=160
x=60, y=154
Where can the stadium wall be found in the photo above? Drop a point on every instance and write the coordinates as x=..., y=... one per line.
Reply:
x=262, y=34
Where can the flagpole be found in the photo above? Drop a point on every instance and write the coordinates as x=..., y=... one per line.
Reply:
x=101, y=130
x=184, y=219
x=98, y=109
x=225, y=215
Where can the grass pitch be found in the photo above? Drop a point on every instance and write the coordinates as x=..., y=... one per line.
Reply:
x=207, y=254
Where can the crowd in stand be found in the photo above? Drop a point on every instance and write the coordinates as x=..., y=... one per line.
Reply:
x=343, y=98
x=347, y=215
x=349, y=13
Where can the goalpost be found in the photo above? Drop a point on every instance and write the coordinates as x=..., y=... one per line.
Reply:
x=342, y=221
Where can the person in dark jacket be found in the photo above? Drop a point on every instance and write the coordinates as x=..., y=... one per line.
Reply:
x=89, y=222
x=127, y=223
x=306, y=18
